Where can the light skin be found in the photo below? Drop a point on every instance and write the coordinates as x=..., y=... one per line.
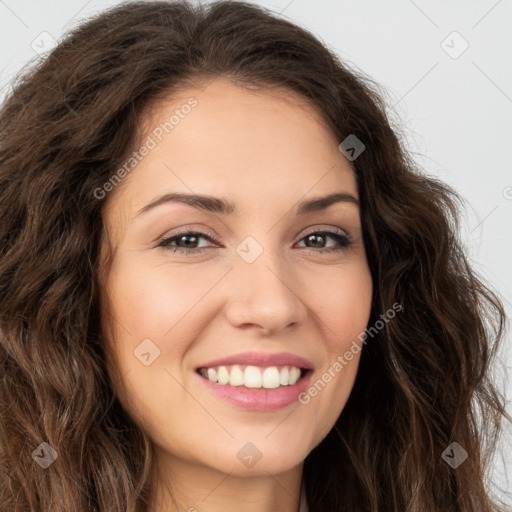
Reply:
x=264, y=151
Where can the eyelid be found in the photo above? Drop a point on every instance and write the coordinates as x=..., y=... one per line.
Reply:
x=207, y=232
x=342, y=238
x=210, y=233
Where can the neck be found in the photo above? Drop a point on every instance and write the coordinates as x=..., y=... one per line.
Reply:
x=179, y=485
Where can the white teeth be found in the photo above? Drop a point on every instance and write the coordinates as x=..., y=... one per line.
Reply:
x=253, y=376
x=212, y=374
x=236, y=377
x=222, y=375
x=294, y=375
x=271, y=378
x=284, y=376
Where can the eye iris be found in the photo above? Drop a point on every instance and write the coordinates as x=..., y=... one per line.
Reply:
x=316, y=237
x=184, y=242
x=187, y=244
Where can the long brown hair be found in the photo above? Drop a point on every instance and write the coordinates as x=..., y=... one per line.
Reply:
x=68, y=124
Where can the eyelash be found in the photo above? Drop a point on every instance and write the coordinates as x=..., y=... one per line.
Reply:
x=344, y=240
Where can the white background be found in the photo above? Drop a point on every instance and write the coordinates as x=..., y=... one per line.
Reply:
x=457, y=112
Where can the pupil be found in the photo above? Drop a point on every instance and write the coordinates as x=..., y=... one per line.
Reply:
x=313, y=237
x=186, y=237
x=317, y=240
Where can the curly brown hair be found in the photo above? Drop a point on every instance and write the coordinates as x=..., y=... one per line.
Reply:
x=69, y=121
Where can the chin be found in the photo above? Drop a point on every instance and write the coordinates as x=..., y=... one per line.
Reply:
x=257, y=457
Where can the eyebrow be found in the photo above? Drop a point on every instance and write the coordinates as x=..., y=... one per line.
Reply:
x=221, y=205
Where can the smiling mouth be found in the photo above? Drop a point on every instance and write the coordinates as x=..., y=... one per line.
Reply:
x=253, y=377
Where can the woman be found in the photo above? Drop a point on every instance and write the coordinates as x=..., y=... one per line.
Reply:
x=226, y=286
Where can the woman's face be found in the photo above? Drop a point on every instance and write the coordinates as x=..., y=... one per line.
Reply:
x=267, y=291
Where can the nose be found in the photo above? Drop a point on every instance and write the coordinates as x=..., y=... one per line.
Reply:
x=265, y=296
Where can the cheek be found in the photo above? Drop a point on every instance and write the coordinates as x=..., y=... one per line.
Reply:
x=162, y=304
x=153, y=301
x=344, y=307
x=343, y=314
x=150, y=302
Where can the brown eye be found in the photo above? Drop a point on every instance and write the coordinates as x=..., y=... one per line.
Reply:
x=191, y=238
x=316, y=237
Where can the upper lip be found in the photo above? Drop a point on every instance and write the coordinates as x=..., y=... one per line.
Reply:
x=261, y=359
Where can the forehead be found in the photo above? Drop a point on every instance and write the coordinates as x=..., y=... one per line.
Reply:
x=262, y=146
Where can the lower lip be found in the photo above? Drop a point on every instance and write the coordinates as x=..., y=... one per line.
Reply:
x=259, y=399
